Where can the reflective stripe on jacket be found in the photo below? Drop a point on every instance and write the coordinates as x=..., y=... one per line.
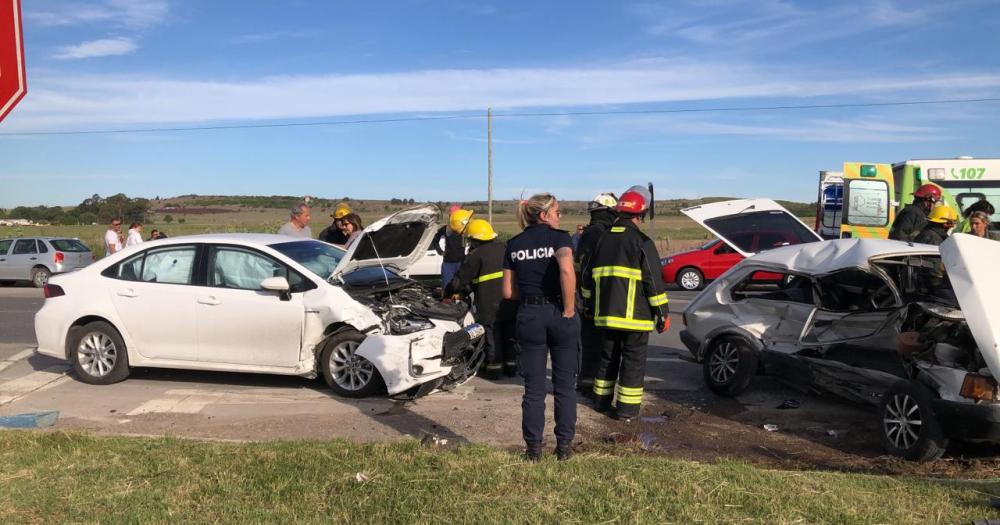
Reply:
x=621, y=285
x=482, y=275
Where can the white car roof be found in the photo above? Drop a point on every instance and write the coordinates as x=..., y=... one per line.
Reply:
x=818, y=258
x=233, y=238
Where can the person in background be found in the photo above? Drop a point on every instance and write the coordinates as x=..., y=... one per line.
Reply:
x=910, y=221
x=332, y=233
x=481, y=275
x=981, y=205
x=350, y=227
x=157, y=234
x=113, y=237
x=538, y=272
x=979, y=225
x=602, y=216
x=450, y=243
x=626, y=294
x=298, y=223
x=941, y=219
x=134, y=234
x=576, y=237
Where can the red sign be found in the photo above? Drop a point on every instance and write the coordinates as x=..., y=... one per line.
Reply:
x=13, y=82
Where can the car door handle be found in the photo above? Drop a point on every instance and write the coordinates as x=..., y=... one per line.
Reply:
x=32, y=258
x=210, y=301
x=127, y=293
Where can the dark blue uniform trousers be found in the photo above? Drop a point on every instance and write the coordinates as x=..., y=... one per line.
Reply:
x=541, y=330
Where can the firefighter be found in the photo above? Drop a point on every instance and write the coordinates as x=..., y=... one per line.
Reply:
x=602, y=216
x=538, y=272
x=450, y=243
x=913, y=217
x=332, y=233
x=482, y=274
x=941, y=219
x=628, y=300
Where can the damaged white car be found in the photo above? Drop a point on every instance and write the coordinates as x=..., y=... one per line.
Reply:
x=903, y=327
x=267, y=304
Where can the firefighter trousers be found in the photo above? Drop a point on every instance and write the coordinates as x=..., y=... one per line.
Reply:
x=501, y=355
x=590, y=345
x=621, y=370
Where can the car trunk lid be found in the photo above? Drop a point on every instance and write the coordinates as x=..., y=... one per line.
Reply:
x=742, y=221
x=395, y=241
x=970, y=262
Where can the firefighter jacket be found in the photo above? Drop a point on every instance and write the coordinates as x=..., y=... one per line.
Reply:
x=454, y=246
x=482, y=274
x=910, y=221
x=623, y=288
x=600, y=221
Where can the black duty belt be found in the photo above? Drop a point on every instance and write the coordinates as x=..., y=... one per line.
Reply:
x=541, y=299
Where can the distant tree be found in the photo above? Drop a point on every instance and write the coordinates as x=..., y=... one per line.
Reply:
x=395, y=201
x=168, y=219
x=69, y=220
x=182, y=220
x=88, y=217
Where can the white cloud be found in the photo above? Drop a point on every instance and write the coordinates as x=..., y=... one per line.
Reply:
x=259, y=38
x=97, y=48
x=71, y=101
x=128, y=13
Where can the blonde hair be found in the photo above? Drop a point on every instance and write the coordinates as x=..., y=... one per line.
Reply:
x=981, y=215
x=528, y=211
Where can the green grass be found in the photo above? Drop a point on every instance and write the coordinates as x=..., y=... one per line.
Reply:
x=62, y=478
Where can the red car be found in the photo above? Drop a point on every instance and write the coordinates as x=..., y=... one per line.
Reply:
x=691, y=269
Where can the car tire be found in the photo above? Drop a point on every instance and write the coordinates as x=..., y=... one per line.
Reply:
x=98, y=353
x=40, y=276
x=908, y=425
x=730, y=364
x=690, y=279
x=345, y=372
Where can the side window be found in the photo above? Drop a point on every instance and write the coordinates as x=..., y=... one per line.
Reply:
x=5, y=246
x=130, y=269
x=854, y=291
x=242, y=269
x=774, y=286
x=724, y=249
x=169, y=266
x=42, y=248
x=24, y=247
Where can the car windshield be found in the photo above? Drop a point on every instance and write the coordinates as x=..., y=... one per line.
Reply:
x=69, y=245
x=318, y=257
x=372, y=276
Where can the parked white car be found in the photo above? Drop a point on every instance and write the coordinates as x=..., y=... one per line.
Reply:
x=266, y=304
x=35, y=259
x=904, y=327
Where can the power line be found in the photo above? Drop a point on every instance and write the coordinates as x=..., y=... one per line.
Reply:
x=504, y=115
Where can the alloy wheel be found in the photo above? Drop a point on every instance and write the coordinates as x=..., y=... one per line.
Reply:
x=723, y=362
x=902, y=421
x=350, y=371
x=97, y=354
x=690, y=280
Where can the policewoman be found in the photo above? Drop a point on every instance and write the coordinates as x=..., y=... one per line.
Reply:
x=538, y=272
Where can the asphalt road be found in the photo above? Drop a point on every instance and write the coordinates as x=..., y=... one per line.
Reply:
x=17, y=313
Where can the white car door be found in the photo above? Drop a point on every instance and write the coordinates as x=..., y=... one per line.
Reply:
x=22, y=258
x=238, y=322
x=155, y=299
x=6, y=265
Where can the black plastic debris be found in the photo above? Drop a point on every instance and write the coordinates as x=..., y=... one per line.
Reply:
x=789, y=404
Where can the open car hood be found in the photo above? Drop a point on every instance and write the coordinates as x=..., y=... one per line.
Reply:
x=396, y=241
x=744, y=223
x=971, y=265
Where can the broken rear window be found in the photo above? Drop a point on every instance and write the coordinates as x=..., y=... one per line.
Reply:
x=774, y=286
x=771, y=229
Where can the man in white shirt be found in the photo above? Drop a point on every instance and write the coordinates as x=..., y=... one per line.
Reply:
x=112, y=237
x=134, y=235
x=298, y=224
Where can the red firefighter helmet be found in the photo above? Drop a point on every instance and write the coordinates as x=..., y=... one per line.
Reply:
x=928, y=191
x=631, y=202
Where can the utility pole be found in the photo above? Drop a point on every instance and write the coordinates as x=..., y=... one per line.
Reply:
x=489, y=163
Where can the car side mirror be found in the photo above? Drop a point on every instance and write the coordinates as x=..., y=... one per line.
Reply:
x=277, y=284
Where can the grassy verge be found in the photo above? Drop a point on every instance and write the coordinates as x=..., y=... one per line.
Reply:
x=61, y=478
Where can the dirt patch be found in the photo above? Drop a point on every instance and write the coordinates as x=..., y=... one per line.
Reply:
x=721, y=431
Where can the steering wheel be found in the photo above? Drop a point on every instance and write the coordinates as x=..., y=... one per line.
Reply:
x=882, y=298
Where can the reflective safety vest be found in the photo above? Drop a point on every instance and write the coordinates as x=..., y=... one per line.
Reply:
x=481, y=274
x=622, y=287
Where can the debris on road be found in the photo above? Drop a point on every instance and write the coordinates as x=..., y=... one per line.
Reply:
x=770, y=428
x=30, y=420
x=789, y=404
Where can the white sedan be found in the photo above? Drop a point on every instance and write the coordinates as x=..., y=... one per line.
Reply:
x=266, y=304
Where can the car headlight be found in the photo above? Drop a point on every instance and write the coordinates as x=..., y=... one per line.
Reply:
x=402, y=322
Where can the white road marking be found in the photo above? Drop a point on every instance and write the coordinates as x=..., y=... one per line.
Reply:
x=4, y=364
x=193, y=400
x=47, y=378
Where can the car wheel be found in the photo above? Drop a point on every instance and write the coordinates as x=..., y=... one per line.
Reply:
x=910, y=428
x=729, y=365
x=347, y=373
x=690, y=279
x=98, y=354
x=40, y=276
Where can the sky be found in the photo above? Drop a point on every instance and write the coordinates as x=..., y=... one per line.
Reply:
x=160, y=65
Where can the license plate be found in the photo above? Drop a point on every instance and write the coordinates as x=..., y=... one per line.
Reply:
x=475, y=331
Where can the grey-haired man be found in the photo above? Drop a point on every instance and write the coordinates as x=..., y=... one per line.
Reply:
x=298, y=224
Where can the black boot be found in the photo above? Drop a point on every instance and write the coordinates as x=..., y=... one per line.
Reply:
x=564, y=451
x=533, y=452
